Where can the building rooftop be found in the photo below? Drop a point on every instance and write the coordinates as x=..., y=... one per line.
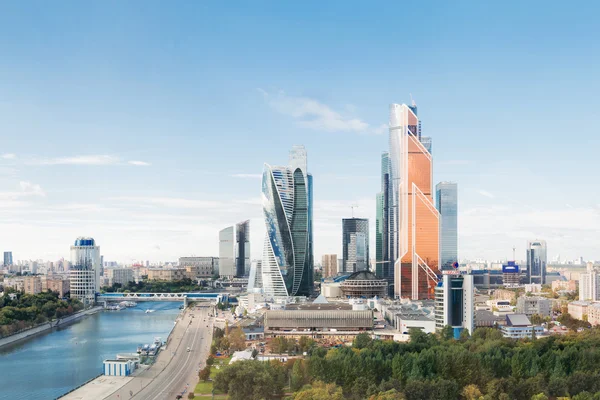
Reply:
x=319, y=306
x=517, y=320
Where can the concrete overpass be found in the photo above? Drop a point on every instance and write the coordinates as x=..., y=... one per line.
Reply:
x=184, y=297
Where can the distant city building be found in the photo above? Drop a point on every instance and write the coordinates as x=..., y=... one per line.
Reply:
x=511, y=274
x=518, y=326
x=455, y=303
x=355, y=244
x=207, y=266
x=534, y=305
x=537, y=258
x=330, y=265
x=446, y=194
x=569, y=286
x=287, y=264
x=242, y=256
x=227, y=259
x=589, y=284
x=255, y=276
x=578, y=309
x=8, y=258
x=594, y=314
x=85, y=270
x=32, y=284
x=121, y=276
x=166, y=274
x=58, y=285
x=414, y=224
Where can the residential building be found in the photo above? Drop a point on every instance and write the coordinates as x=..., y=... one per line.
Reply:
x=85, y=270
x=287, y=268
x=589, y=284
x=446, y=194
x=384, y=265
x=533, y=288
x=536, y=261
x=578, y=309
x=8, y=258
x=242, y=256
x=207, y=266
x=594, y=314
x=58, y=285
x=569, y=286
x=455, y=302
x=518, y=326
x=32, y=284
x=414, y=227
x=121, y=276
x=534, y=305
x=329, y=264
x=227, y=260
x=166, y=274
x=355, y=244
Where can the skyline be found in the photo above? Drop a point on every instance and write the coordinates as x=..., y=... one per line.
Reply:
x=158, y=139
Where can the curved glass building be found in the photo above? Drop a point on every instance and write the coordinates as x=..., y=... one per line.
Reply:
x=287, y=253
x=85, y=270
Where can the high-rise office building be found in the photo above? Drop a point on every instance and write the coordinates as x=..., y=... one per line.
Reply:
x=446, y=195
x=383, y=244
x=455, y=302
x=537, y=257
x=8, y=259
x=227, y=260
x=355, y=244
x=287, y=268
x=85, y=270
x=414, y=228
x=242, y=257
x=329, y=263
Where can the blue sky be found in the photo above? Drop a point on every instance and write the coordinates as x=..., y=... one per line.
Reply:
x=145, y=125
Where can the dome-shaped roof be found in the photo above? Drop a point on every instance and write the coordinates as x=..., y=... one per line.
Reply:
x=362, y=276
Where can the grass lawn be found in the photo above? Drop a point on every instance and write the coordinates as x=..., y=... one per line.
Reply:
x=203, y=389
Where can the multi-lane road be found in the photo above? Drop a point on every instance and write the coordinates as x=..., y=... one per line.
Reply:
x=176, y=369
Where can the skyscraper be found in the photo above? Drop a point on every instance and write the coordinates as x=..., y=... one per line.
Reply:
x=85, y=270
x=414, y=226
x=447, y=205
x=227, y=260
x=287, y=268
x=242, y=260
x=355, y=244
x=383, y=246
x=8, y=259
x=537, y=258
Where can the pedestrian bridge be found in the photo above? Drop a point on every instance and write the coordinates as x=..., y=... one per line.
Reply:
x=184, y=297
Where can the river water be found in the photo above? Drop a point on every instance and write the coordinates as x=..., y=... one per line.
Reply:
x=51, y=364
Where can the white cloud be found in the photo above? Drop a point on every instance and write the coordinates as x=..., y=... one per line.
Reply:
x=485, y=193
x=8, y=156
x=79, y=160
x=315, y=115
x=247, y=176
x=173, y=202
x=139, y=163
x=32, y=189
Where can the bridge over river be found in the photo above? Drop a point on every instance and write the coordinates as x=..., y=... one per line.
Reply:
x=183, y=297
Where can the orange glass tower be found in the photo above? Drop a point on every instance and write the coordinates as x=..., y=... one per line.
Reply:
x=414, y=220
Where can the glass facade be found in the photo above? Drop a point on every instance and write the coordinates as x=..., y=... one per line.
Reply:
x=446, y=194
x=414, y=221
x=384, y=248
x=536, y=261
x=355, y=244
x=242, y=260
x=85, y=270
x=227, y=259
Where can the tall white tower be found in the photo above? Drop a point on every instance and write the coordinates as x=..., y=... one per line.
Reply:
x=85, y=270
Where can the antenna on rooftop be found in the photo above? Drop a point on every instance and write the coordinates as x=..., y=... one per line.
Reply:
x=412, y=101
x=514, y=248
x=353, y=207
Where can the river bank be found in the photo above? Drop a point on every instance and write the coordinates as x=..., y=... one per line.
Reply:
x=29, y=333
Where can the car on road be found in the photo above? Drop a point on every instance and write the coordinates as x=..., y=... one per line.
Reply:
x=188, y=349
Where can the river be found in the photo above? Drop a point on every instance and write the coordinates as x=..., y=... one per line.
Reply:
x=51, y=364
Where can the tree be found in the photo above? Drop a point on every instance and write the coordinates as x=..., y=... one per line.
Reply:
x=204, y=374
x=191, y=395
x=471, y=392
x=299, y=376
x=539, y=396
x=464, y=335
x=320, y=391
x=391, y=394
x=210, y=360
x=447, y=333
x=362, y=340
x=237, y=339
x=253, y=380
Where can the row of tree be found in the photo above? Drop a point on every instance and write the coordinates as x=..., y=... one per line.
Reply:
x=183, y=285
x=228, y=339
x=485, y=366
x=21, y=311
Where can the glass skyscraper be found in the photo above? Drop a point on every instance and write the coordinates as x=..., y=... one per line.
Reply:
x=85, y=270
x=383, y=243
x=287, y=268
x=227, y=260
x=355, y=244
x=537, y=259
x=446, y=195
x=242, y=245
x=414, y=224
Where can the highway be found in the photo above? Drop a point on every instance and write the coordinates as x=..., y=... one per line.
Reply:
x=176, y=369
